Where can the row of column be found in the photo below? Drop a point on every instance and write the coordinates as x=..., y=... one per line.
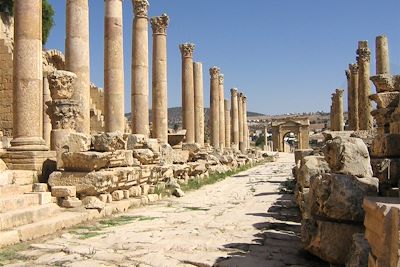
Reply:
x=337, y=120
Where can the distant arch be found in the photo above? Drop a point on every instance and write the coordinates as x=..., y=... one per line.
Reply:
x=297, y=126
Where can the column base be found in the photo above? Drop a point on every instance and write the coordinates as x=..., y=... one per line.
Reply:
x=28, y=144
x=40, y=161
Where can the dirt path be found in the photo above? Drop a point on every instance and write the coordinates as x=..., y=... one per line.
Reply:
x=241, y=221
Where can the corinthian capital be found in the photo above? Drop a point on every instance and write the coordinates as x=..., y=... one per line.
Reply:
x=234, y=92
x=140, y=8
x=160, y=24
x=187, y=49
x=221, y=79
x=339, y=92
x=363, y=52
x=214, y=72
x=353, y=68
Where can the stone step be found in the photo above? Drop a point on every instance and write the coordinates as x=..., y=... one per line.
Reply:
x=10, y=203
x=28, y=215
x=12, y=190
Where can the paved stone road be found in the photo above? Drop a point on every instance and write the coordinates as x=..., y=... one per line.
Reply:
x=241, y=221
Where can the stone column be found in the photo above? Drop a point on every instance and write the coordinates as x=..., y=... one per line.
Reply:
x=333, y=114
x=221, y=112
x=28, y=77
x=46, y=117
x=198, y=102
x=350, y=101
x=114, y=112
x=234, y=118
x=354, y=90
x=140, y=69
x=364, y=108
x=240, y=119
x=159, y=81
x=245, y=126
x=214, y=106
x=227, y=123
x=339, y=109
x=77, y=57
x=187, y=50
x=382, y=55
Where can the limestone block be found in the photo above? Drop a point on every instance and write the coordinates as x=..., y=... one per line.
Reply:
x=40, y=187
x=135, y=141
x=348, y=155
x=6, y=178
x=381, y=168
x=153, y=145
x=366, y=135
x=197, y=168
x=145, y=189
x=192, y=148
x=92, y=202
x=180, y=170
x=153, y=198
x=93, y=161
x=99, y=182
x=3, y=166
x=168, y=155
x=63, y=191
x=386, y=99
x=329, y=241
x=117, y=195
x=340, y=197
x=45, y=198
x=299, y=154
x=386, y=146
x=78, y=142
x=218, y=168
x=330, y=135
x=144, y=155
x=108, y=142
x=103, y=197
x=358, y=255
x=311, y=166
x=126, y=194
x=71, y=202
x=135, y=191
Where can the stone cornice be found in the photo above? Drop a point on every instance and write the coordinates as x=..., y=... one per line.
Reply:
x=159, y=24
x=214, y=72
x=140, y=8
x=187, y=49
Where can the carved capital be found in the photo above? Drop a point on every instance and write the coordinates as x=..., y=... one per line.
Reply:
x=63, y=113
x=244, y=98
x=234, y=92
x=160, y=24
x=339, y=92
x=364, y=54
x=353, y=68
x=60, y=84
x=187, y=49
x=140, y=8
x=214, y=72
x=221, y=79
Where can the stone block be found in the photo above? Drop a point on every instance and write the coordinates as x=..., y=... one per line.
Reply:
x=153, y=198
x=126, y=194
x=144, y=155
x=340, y=197
x=153, y=145
x=299, y=154
x=6, y=178
x=387, y=170
x=92, y=202
x=40, y=187
x=103, y=197
x=145, y=189
x=78, y=142
x=386, y=146
x=358, y=255
x=117, y=195
x=135, y=141
x=135, y=191
x=63, y=191
x=94, y=161
x=109, y=142
x=71, y=202
x=311, y=166
x=348, y=155
x=45, y=198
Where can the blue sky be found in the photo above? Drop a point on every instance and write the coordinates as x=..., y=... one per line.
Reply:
x=286, y=55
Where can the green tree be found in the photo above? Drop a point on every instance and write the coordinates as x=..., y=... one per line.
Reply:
x=47, y=15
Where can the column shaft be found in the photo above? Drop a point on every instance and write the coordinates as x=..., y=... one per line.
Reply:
x=214, y=106
x=245, y=127
x=77, y=57
x=198, y=102
x=114, y=113
x=339, y=109
x=227, y=123
x=221, y=112
x=354, y=90
x=382, y=55
x=350, y=101
x=240, y=118
x=234, y=118
x=46, y=118
x=364, y=108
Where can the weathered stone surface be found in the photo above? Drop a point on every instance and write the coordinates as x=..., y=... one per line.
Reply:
x=329, y=241
x=178, y=192
x=3, y=166
x=299, y=154
x=71, y=202
x=153, y=145
x=192, y=148
x=108, y=142
x=6, y=178
x=117, y=195
x=386, y=146
x=358, y=255
x=340, y=197
x=93, y=161
x=145, y=189
x=168, y=155
x=218, y=169
x=330, y=135
x=386, y=99
x=144, y=155
x=40, y=187
x=366, y=135
x=92, y=202
x=348, y=156
x=310, y=166
x=387, y=170
x=63, y=191
x=135, y=191
x=78, y=142
x=96, y=183
x=134, y=141
x=60, y=82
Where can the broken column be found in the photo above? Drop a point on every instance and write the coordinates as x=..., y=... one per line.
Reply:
x=382, y=55
x=214, y=106
x=140, y=69
x=354, y=96
x=350, y=101
x=198, y=103
x=221, y=112
x=187, y=50
x=77, y=57
x=240, y=119
x=160, y=85
x=364, y=107
x=114, y=113
x=333, y=112
x=227, y=123
x=234, y=118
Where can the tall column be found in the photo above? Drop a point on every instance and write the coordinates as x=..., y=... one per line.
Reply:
x=333, y=114
x=339, y=109
x=221, y=112
x=28, y=77
x=140, y=69
x=187, y=50
x=198, y=102
x=240, y=119
x=234, y=118
x=227, y=123
x=354, y=90
x=245, y=127
x=77, y=57
x=382, y=55
x=350, y=102
x=46, y=118
x=114, y=112
x=364, y=108
x=214, y=106
x=159, y=81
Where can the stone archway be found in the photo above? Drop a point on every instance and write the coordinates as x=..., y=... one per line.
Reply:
x=282, y=127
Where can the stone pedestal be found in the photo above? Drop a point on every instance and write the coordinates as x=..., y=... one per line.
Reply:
x=234, y=118
x=214, y=103
x=221, y=112
x=77, y=57
x=227, y=123
x=187, y=50
x=159, y=81
x=140, y=69
x=114, y=114
x=354, y=123
x=199, y=103
x=364, y=107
